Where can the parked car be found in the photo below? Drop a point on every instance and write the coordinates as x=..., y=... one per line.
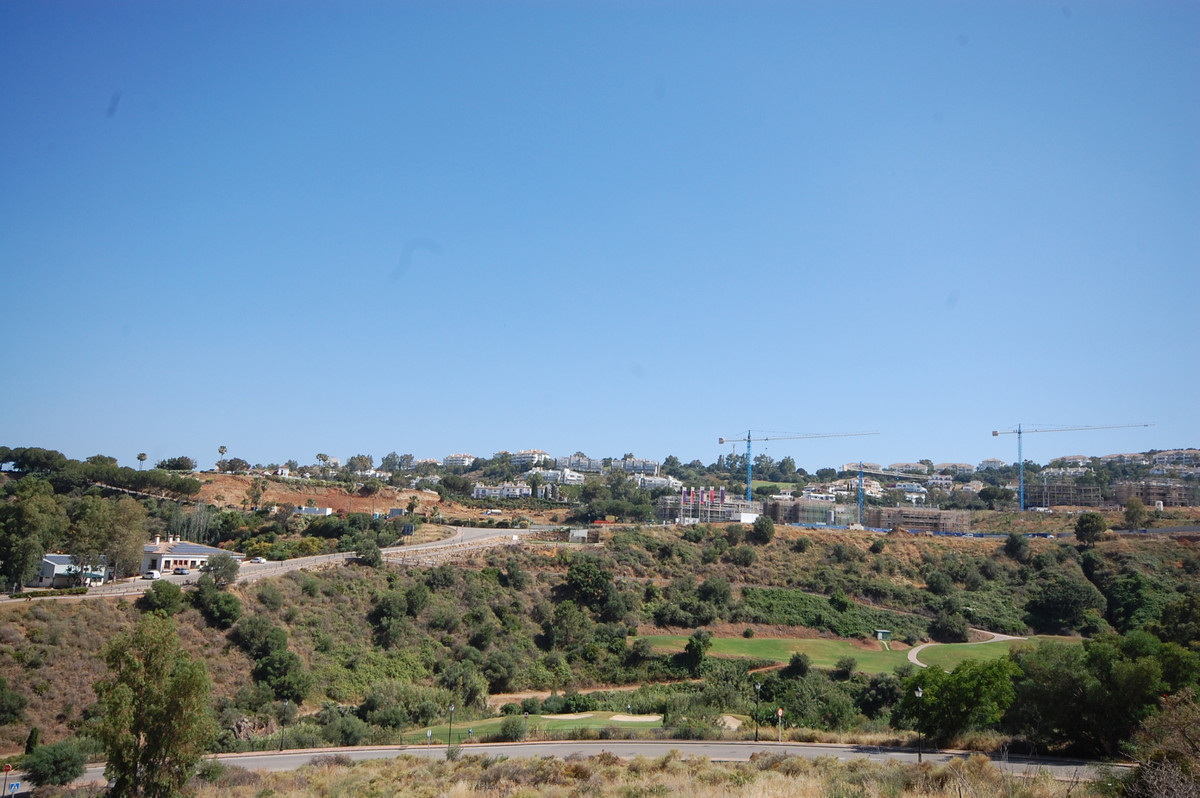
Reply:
x=182, y=571
x=152, y=575
x=257, y=560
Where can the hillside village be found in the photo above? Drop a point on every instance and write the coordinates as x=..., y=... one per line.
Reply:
x=638, y=597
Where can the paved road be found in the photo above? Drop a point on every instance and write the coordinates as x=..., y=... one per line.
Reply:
x=460, y=538
x=916, y=650
x=741, y=751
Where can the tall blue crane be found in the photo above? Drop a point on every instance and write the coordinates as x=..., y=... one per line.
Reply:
x=781, y=437
x=1019, y=432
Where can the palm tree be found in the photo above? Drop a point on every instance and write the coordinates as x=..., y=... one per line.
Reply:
x=221, y=450
x=141, y=459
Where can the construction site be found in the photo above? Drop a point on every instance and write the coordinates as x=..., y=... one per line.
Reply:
x=918, y=519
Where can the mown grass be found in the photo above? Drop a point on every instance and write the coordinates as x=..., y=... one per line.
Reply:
x=949, y=655
x=823, y=653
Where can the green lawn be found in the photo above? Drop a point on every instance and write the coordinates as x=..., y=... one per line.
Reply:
x=948, y=656
x=824, y=653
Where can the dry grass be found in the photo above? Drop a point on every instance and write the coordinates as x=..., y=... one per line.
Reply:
x=605, y=776
x=50, y=652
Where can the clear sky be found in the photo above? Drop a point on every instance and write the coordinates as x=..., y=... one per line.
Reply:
x=304, y=227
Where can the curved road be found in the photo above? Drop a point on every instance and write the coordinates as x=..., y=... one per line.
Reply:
x=995, y=636
x=740, y=751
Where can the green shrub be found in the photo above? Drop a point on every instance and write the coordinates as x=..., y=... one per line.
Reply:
x=742, y=556
x=512, y=729
x=270, y=596
x=55, y=764
x=163, y=597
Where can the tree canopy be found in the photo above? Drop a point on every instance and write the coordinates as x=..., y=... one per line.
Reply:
x=155, y=720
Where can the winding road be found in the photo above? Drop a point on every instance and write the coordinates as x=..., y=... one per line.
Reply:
x=995, y=636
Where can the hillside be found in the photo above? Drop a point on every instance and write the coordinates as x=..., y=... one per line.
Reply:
x=229, y=490
x=546, y=617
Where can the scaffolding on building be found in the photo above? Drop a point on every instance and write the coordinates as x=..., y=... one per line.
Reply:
x=696, y=509
x=810, y=513
x=919, y=519
x=1172, y=493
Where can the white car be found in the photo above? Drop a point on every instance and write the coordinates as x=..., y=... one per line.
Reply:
x=258, y=560
x=152, y=575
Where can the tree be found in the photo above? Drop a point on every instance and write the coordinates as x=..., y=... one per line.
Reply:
x=176, y=464
x=994, y=495
x=155, y=721
x=1063, y=602
x=359, y=463
x=55, y=764
x=163, y=597
x=1135, y=513
x=764, y=529
x=29, y=526
x=221, y=450
x=367, y=549
x=972, y=696
x=535, y=482
x=697, y=646
x=141, y=458
x=1089, y=527
x=223, y=569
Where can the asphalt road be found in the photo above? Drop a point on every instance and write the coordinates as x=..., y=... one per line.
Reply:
x=462, y=537
x=1065, y=769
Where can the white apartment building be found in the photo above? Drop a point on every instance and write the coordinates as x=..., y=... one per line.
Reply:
x=465, y=460
x=991, y=464
x=529, y=457
x=506, y=490
x=636, y=465
x=1189, y=457
x=652, y=482
x=941, y=482
x=556, y=476
x=580, y=462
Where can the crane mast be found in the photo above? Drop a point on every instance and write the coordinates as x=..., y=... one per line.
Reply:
x=749, y=439
x=1019, y=432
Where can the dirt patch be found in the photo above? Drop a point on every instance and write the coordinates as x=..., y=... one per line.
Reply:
x=730, y=722
x=229, y=490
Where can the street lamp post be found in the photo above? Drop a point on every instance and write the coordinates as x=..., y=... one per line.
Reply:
x=282, y=722
x=757, y=696
x=450, y=733
x=920, y=732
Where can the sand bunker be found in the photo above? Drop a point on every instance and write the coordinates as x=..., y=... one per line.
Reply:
x=637, y=718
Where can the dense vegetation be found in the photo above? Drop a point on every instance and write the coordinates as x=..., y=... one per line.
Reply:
x=366, y=653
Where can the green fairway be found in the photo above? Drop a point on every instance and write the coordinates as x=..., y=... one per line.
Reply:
x=949, y=655
x=824, y=653
x=481, y=728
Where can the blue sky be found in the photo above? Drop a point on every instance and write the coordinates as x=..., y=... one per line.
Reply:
x=292, y=228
